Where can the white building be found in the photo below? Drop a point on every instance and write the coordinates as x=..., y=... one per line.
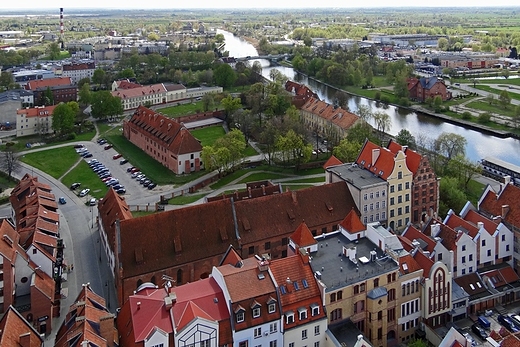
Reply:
x=35, y=120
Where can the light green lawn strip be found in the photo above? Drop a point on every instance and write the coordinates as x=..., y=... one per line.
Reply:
x=54, y=162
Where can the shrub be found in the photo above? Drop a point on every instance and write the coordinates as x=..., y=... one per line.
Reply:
x=385, y=99
x=466, y=115
x=484, y=117
x=377, y=96
x=404, y=102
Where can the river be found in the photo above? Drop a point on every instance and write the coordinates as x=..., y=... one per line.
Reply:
x=479, y=145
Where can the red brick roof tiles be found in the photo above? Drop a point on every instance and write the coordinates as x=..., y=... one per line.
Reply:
x=140, y=91
x=335, y=115
x=413, y=159
x=302, y=236
x=407, y=264
x=455, y=222
x=411, y=233
x=113, y=207
x=171, y=237
x=79, y=66
x=39, y=111
x=48, y=82
x=13, y=326
x=510, y=341
x=376, y=159
x=424, y=262
x=45, y=284
x=332, y=161
x=126, y=84
x=190, y=313
x=474, y=217
x=352, y=223
x=492, y=203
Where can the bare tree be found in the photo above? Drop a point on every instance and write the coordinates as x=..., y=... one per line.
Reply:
x=10, y=163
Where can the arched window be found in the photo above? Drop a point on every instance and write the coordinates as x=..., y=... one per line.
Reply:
x=179, y=277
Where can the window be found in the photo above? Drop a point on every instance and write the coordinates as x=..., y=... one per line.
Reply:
x=391, y=315
x=240, y=316
x=316, y=330
x=392, y=201
x=489, y=253
x=399, y=175
x=356, y=289
x=304, y=334
x=376, y=282
x=271, y=308
x=335, y=315
x=407, y=185
x=463, y=271
x=400, y=187
x=257, y=332
x=332, y=297
x=380, y=315
x=463, y=260
x=503, y=237
x=289, y=318
x=383, y=192
x=317, y=344
x=251, y=250
x=256, y=312
x=483, y=243
x=284, y=241
x=365, y=208
x=315, y=310
x=365, y=196
x=407, y=197
x=391, y=213
x=303, y=313
x=400, y=199
x=463, y=247
x=272, y=343
x=470, y=257
x=391, y=295
x=267, y=245
x=391, y=189
x=362, y=287
x=273, y=327
x=291, y=344
x=340, y=295
x=507, y=248
x=439, y=256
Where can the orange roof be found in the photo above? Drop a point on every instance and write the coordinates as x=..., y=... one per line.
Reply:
x=407, y=264
x=332, y=161
x=492, y=204
x=413, y=159
x=352, y=223
x=501, y=276
x=302, y=236
x=113, y=207
x=457, y=223
x=231, y=257
x=510, y=341
x=335, y=115
x=13, y=326
x=140, y=91
x=191, y=312
x=378, y=160
x=39, y=111
x=48, y=82
x=474, y=217
x=424, y=262
x=411, y=233
x=126, y=84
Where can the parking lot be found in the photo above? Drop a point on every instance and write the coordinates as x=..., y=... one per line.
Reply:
x=105, y=155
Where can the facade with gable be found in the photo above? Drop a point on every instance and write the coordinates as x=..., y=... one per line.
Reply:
x=253, y=302
x=327, y=120
x=15, y=330
x=427, y=87
x=34, y=120
x=164, y=139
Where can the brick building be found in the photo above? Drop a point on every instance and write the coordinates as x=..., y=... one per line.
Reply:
x=427, y=87
x=62, y=90
x=164, y=139
x=78, y=71
x=15, y=330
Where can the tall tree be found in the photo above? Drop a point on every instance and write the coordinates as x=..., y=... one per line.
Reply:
x=224, y=76
x=347, y=151
x=54, y=51
x=47, y=97
x=98, y=77
x=84, y=94
x=383, y=123
x=231, y=104
x=405, y=138
x=10, y=163
x=450, y=145
x=104, y=105
x=504, y=98
x=463, y=169
x=63, y=117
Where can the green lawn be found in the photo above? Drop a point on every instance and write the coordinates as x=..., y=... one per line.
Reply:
x=88, y=179
x=104, y=127
x=261, y=176
x=487, y=107
x=308, y=180
x=185, y=199
x=182, y=110
x=137, y=214
x=511, y=93
x=20, y=144
x=55, y=161
x=208, y=136
x=5, y=183
x=153, y=169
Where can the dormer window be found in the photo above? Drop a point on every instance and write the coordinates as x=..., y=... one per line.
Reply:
x=240, y=316
x=302, y=312
x=315, y=310
x=256, y=309
x=271, y=308
x=289, y=317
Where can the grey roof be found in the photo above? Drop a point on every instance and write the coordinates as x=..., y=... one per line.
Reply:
x=377, y=292
x=457, y=292
x=14, y=94
x=428, y=82
x=338, y=271
x=356, y=176
x=346, y=333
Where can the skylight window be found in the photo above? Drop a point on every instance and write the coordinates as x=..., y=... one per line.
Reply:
x=283, y=290
x=305, y=284
x=296, y=286
x=472, y=286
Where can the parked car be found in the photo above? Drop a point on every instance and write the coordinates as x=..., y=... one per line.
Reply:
x=135, y=174
x=129, y=169
x=81, y=150
x=146, y=183
x=508, y=323
x=138, y=177
x=123, y=161
x=74, y=185
x=121, y=191
x=117, y=156
x=516, y=319
x=105, y=175
x=92, y=202
x=106, y=179
x=62, y=200
x=479, y=331
x=117, y=186
x=108, y=146
x=84, y=192
x=152, y=185
x=101, y=140
x=112, y=182
x=134, y=169
x=92, y=161
x=88, y=155
x=484, y=322
x=79, y=145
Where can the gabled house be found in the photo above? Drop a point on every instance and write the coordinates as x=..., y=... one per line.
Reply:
x=191, y=314
x=88, y=322
x=300, y=93
x=164, y=139
x=253, y=302
x=326, y=120
x=15, y=330
x=304, y=320
x=427, y=87
x=391, y=166
x=503, y=206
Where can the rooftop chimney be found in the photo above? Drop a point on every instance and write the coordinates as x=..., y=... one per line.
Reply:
x=263, y=265
x=480, y=225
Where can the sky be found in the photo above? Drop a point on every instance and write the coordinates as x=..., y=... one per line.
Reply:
x=206, y=4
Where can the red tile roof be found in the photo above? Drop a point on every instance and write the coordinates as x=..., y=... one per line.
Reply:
x=190, y=313
x=140, y=91
x=448, y=235
x=376, y=159
x=335, y=115
x=411, y=233
x=170, y=238
x=163, y=130
x=510, y=341
x=48, y=83
x=126, y=84
x=83, y=320
x=39, y=111
x=471, y=283
x=302, y=236
x=413, y=159
x=407, y=264
x=332, y=161
x=352, y=223
x=457, y=344
x=492, y=204
x=501, y=276
x=474, y=217
x=14, y=329
x=424, y=262
x=79, y=66
x=231, y=257
x=112, y=208
x=457, y=223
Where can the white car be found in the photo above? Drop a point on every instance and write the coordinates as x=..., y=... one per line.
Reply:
x=84, y=192
x=92, y=202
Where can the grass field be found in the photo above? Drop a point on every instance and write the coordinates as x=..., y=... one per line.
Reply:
x=262, y=176
x=54, y=161
x=152, y=168
x=208, y=136
x=88, y=179
x=487, y=107
x=185, y=199
x=511, y=93
x=20, y=144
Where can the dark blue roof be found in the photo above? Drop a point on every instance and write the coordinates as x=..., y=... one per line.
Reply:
x=428, y=82
x=377, y=293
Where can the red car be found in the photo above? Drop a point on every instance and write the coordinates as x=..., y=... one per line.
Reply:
x=108, y=146
x=117, y=156
x=135, y=169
